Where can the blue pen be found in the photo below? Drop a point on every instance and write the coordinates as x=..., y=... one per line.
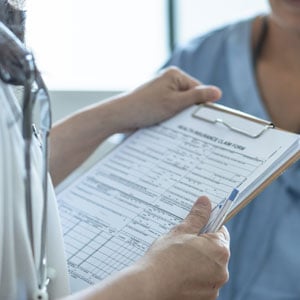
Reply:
x=215, y=224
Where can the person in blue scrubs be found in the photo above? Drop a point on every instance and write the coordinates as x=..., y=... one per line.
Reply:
x=256, y=63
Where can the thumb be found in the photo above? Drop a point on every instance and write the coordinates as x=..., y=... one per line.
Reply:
x=201, y=94
x=197, y=217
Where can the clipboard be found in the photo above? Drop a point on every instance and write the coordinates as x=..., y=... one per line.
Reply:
x=217, y=118
x=148, y=183
x=201, y=114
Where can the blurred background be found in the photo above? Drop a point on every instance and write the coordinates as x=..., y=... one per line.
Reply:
x=89, y=50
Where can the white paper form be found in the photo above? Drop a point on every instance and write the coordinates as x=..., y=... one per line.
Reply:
x=112, y=214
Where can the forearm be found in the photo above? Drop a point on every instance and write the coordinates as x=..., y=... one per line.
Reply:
x=134, y=283
x=73, y=139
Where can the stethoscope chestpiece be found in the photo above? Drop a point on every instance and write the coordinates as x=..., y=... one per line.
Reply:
x=41, y=294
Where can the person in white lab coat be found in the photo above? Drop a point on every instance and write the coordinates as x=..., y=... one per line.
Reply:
x=179, y=265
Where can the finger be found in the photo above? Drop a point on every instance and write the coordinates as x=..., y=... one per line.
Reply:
x=181, y=79
x=222, y=253
x=186, y=82
x=198, y=216
x=223, y=234
x=201, y=94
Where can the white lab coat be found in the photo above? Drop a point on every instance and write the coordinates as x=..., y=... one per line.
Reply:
x=18, y=278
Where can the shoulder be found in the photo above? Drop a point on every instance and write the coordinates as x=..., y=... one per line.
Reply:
x=212, y=41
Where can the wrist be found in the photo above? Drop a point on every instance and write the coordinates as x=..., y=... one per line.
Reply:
x=142, y=279
x=135, y=282
x=108, y=116
x=125, y=112
x=156, y=282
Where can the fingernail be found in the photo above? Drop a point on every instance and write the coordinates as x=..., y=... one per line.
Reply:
x=203, y=201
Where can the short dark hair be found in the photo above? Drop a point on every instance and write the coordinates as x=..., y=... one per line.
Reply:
x=13, y=18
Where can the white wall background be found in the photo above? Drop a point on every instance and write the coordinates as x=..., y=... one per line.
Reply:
x=116, y=44
x=97, y=44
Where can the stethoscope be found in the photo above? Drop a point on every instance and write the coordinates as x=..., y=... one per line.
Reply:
x=17, y=67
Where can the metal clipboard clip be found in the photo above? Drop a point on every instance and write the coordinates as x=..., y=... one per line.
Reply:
x=232, y=119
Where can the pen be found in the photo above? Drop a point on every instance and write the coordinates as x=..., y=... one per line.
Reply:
x=215, y=224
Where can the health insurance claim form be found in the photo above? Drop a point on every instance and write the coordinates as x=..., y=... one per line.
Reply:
x=112, y=214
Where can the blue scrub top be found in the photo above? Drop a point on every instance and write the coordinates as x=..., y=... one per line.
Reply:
x=265, y=239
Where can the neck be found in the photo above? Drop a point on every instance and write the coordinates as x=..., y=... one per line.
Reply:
x=277, y=70
x=282, y=46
